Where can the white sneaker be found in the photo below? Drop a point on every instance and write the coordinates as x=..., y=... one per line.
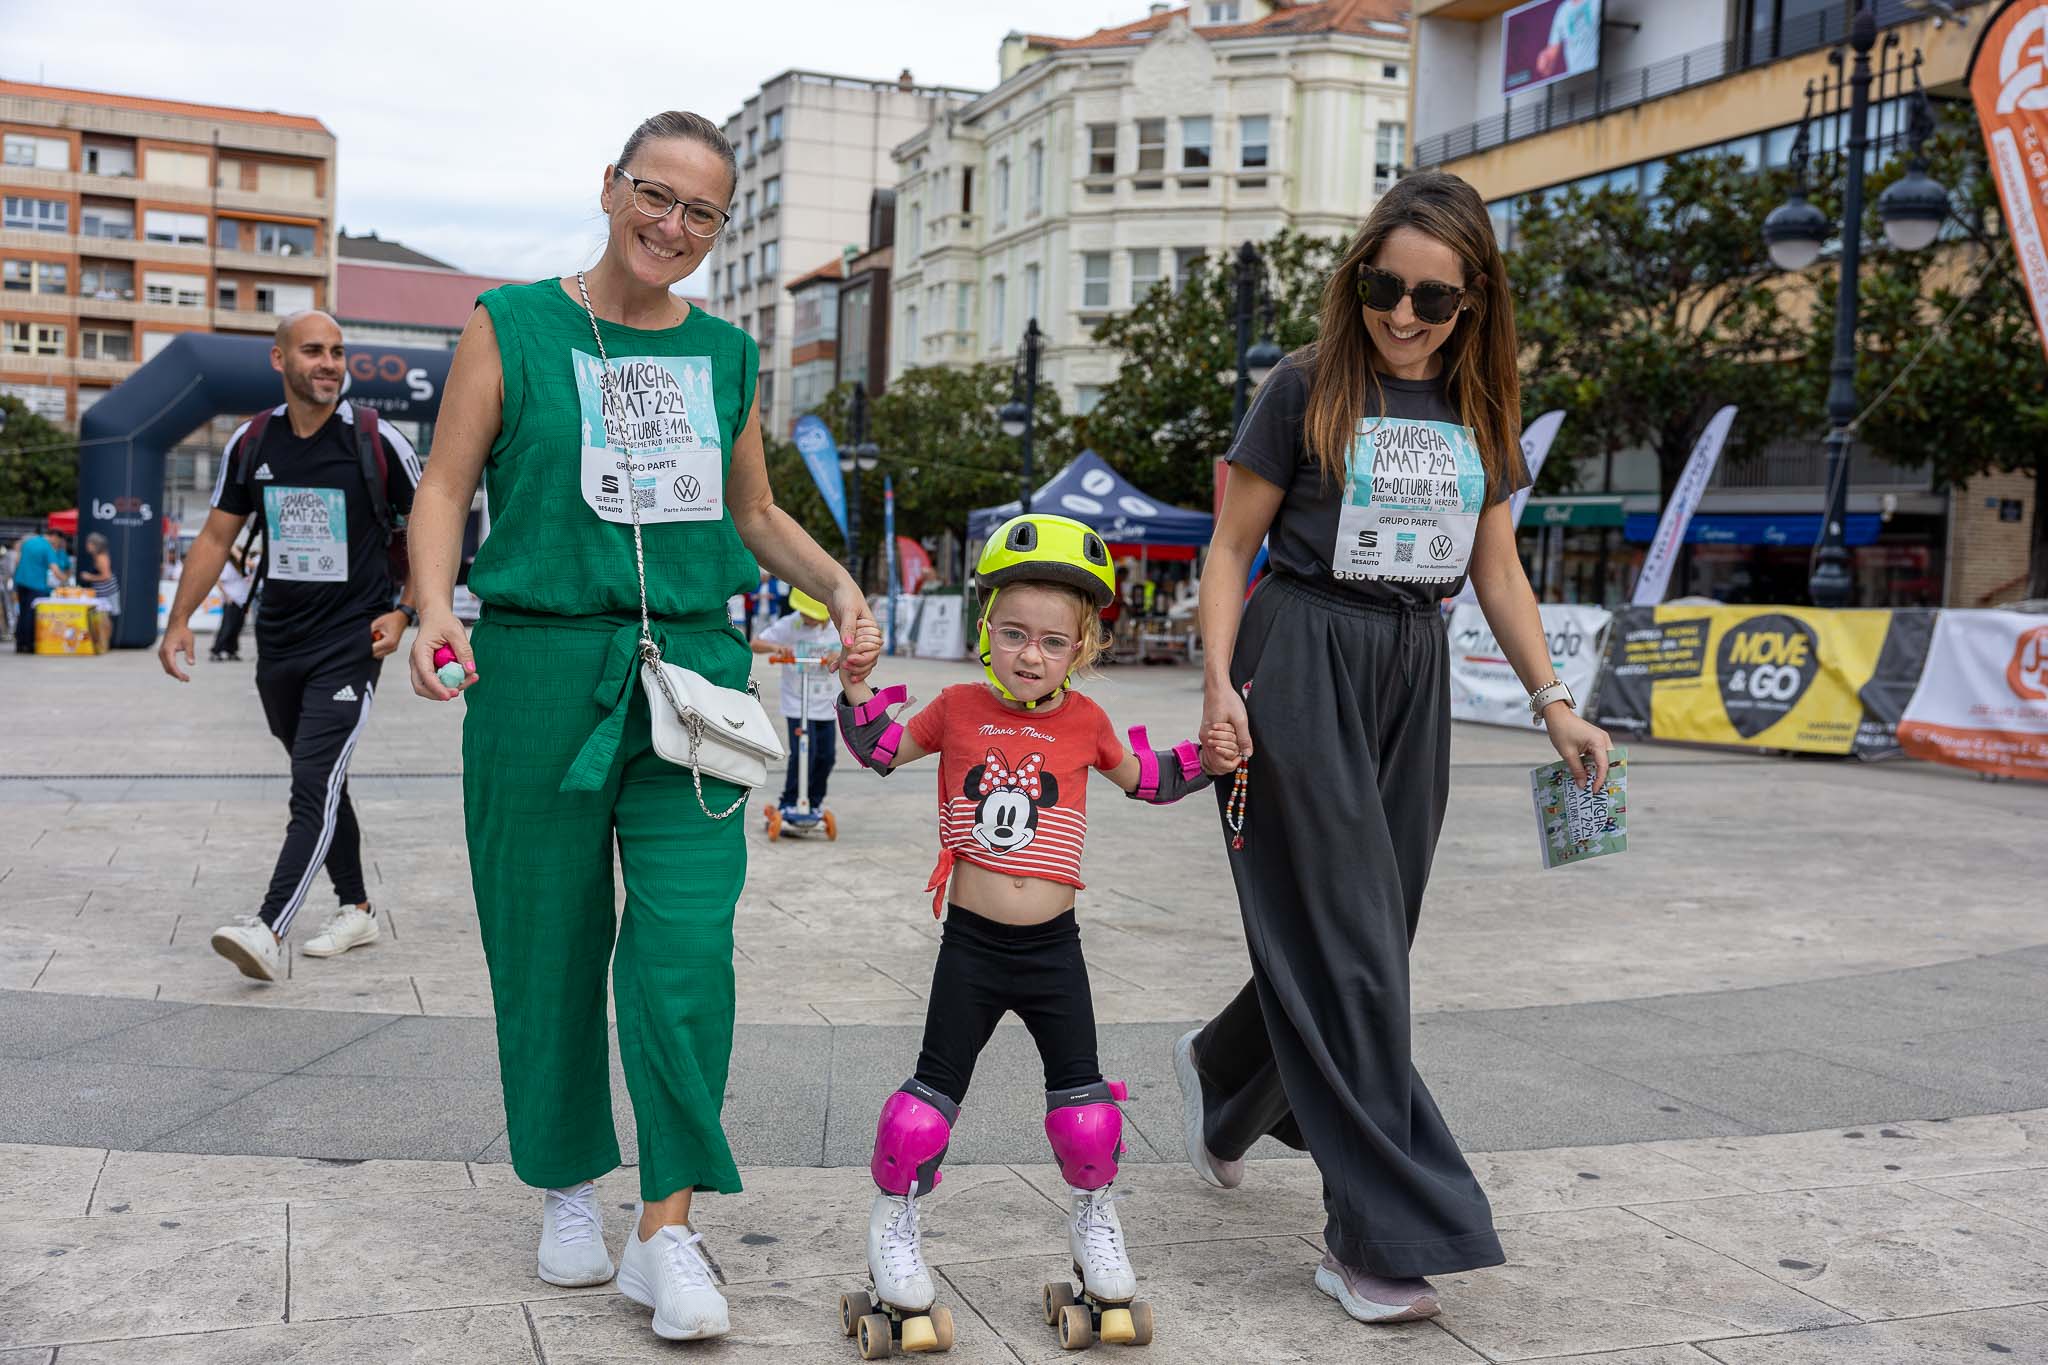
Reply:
x=1374, y=1298
x=668, y=1274
x=896, y=1253
x=572, y=1250
x=1096, y=1239
x=249, y=944
x=350, y=927
x=1226, y=1175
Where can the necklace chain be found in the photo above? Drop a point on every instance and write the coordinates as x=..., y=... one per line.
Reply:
x=606, y=379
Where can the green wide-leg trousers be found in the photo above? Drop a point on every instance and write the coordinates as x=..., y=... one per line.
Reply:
x=549, y=699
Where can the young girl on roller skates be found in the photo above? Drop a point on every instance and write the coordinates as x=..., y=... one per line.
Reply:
x=1014, y=756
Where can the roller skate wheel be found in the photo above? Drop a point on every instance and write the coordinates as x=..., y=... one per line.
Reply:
x=774, y=823
x=831, y=826
x=1117, y=1326
x=852, y=1308
x=1141, y=1324
x=919, y=1335
x=1077, y=1333
x=942, y=1328
x=1053, y=1298
x=872, y=1335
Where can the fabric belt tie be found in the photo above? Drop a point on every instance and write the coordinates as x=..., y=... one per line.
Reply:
x=614, y=690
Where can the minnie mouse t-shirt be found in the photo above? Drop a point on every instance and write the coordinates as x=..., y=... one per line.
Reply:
x=1013, y=785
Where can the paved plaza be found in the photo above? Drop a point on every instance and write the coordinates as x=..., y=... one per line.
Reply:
x=1768, y=1088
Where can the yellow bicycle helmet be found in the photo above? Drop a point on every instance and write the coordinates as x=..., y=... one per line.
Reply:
x=1040, y=549
x=807, y=606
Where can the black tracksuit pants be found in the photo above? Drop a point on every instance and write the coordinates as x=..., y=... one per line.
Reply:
x=1350, y=721
x=318, y=705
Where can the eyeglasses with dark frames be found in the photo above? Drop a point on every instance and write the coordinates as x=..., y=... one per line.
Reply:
x=657, y=200
x=1382, y=291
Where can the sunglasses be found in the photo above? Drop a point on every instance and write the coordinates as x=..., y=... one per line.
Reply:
x=1382, y=291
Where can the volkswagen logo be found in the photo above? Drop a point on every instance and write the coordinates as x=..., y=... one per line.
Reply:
x=1440, y=548
x=687, y=488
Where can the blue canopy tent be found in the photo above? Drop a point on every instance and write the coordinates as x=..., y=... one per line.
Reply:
x=1089, y=491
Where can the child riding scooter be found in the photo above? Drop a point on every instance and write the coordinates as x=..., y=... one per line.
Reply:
x=808, y=647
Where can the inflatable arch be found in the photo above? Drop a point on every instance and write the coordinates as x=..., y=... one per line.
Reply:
x=199, y=376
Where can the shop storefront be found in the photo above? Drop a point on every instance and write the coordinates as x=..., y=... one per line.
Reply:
x=1767, y=557
x=1575, y=550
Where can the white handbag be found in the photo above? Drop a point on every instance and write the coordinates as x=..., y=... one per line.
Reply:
x=713, y=731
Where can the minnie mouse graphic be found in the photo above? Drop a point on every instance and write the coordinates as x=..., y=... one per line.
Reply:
x=1006, y=816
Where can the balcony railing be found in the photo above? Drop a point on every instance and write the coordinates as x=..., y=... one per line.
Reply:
x=1583, y=98
x=1804, y=464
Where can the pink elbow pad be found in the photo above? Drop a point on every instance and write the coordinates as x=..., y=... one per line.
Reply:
x=869, y=734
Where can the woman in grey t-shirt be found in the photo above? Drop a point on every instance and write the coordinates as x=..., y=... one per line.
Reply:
x=1377, y=465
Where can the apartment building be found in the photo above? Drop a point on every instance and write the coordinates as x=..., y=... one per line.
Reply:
x=1103, y=165
x=129, y=220
x=813, y=148
x=1669, y=78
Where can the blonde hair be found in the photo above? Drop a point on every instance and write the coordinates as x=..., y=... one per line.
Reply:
x=1088, y=643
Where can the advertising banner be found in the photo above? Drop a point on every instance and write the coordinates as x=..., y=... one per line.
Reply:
x=1548, y=40
x=1536, y=439
x=917, y=564
x=1685, y=500
x=941, y=628
x=1982, y=702
x=1760, y=677
x=821, y=456
x=1483, y=684
x=2009, y=84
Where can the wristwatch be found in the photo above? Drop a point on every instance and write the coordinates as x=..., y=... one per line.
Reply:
x=412, y=615
x=1554, y=690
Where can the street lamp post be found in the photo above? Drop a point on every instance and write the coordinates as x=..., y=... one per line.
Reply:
x=1017, y=414
x=1912, y=211
x=1254, y=361
x=860, y=456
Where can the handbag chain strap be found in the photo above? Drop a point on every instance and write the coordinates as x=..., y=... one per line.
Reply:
x=650, y=652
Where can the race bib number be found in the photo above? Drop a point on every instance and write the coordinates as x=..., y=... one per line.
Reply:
x=1412, y=498
x=308, y=531
x=661, y=411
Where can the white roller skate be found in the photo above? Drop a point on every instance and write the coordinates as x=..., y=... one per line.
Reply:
x=1086, y=1130
x=898, y=1313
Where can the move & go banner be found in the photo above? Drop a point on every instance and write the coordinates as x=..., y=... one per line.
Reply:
x=1827, y=682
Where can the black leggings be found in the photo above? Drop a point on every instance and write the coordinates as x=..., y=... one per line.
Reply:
x=985, y=969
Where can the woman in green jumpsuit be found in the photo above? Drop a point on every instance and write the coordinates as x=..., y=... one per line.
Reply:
x=557, y=758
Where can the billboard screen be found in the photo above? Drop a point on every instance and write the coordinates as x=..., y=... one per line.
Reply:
x=1548, y=40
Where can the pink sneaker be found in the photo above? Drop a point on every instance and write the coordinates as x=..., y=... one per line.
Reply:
x=1369, y=1298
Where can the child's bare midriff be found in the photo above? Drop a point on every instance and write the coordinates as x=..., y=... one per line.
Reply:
x=1008, y=899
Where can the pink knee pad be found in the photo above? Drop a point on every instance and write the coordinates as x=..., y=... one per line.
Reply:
x=1086, y=1130
x=911, y=1138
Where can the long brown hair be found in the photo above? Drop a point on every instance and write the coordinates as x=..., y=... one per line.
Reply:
x=1480, y=374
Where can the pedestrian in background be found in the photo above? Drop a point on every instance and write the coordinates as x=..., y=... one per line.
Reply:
x=1338, y=671
x=236, y=585
x=96, y=571
x=39, y=565
x=810, y=695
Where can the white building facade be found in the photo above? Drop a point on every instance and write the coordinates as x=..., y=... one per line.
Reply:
x=812, y=150
x=1101, y=166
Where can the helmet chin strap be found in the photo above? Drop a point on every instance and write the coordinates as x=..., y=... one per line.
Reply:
x=988, y=666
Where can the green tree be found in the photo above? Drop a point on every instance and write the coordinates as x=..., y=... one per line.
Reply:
x=1949, y=364
x=38, y=463
x=1166, y=416
x=1640, y=316
x=937, y=434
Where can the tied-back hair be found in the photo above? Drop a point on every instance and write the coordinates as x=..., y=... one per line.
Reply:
x=683, y=124
x=1480, y=375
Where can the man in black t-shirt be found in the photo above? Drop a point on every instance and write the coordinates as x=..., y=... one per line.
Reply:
x=331, y=613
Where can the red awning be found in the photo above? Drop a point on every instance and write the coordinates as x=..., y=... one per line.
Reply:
x=1122, y=551
x=65, y=521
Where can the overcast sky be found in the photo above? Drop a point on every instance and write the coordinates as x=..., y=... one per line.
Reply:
x=477, y=132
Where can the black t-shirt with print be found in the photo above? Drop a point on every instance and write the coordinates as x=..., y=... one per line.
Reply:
x=309, y=497
x=1303, y=540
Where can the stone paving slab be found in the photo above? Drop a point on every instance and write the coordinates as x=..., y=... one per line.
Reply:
x=184, y=1260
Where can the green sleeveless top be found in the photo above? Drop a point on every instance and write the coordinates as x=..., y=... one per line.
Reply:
x=561, y=537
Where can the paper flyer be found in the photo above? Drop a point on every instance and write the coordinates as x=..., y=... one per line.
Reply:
x=1573, y=824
